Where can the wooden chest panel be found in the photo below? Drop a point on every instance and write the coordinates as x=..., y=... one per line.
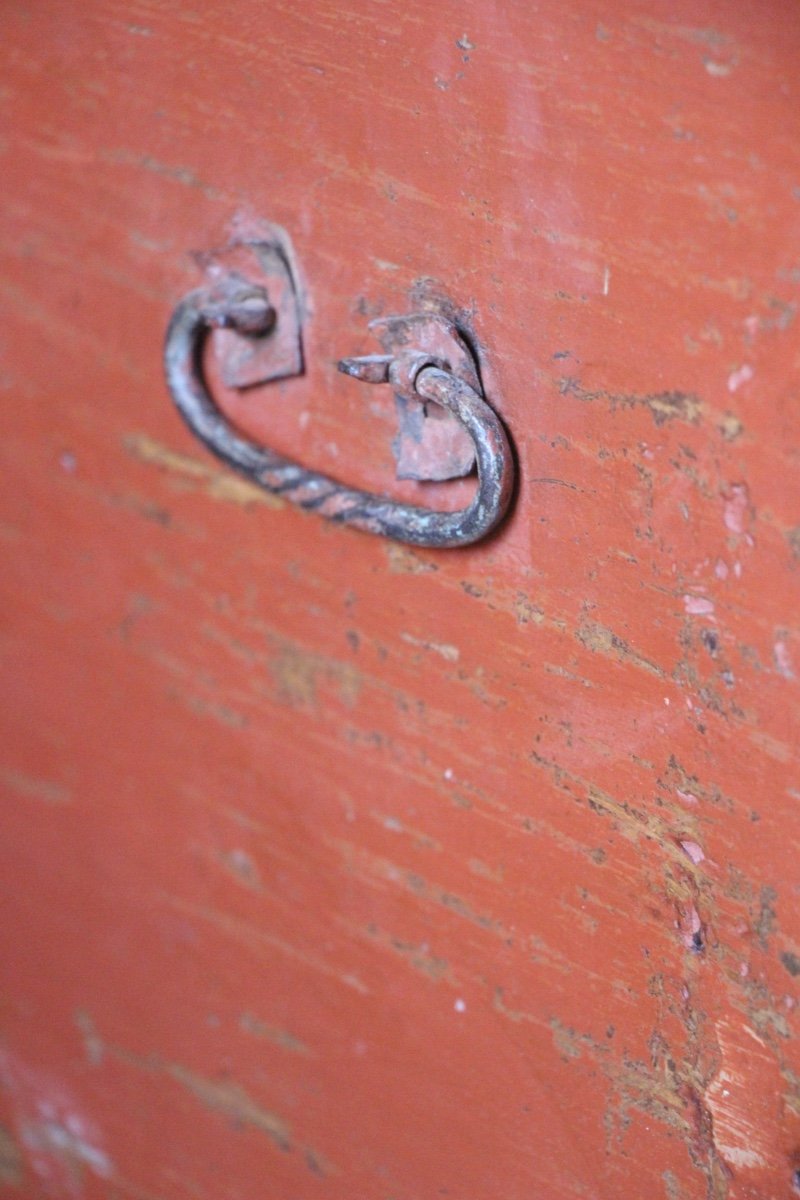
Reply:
x=336, y=868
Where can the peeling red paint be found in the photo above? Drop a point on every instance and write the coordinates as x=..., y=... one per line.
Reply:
x=336, y=866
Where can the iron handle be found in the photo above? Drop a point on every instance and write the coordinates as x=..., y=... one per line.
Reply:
x=247, y=309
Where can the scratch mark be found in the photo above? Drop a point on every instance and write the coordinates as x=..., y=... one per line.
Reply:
x=417, y=955
x=744, y=1097
x=772, y=746
x=257, y=939
x=223, y=1096
x=182, y=175
x=370, y=866
x=449, y=653
x=233, y=1102
x=280, y=1037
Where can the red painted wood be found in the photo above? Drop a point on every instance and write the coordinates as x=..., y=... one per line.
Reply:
x=336, y=869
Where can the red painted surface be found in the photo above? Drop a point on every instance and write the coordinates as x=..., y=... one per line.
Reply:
x=334, y=869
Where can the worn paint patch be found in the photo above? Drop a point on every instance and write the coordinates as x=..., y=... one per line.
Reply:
x=242, y=866
x=602, y=640
x=698, y=606
x=262, y=941
x=663, y=406
x=36, y=789
x=783, y=659
x=233, y=1102
x=224, y=1096
x=61, y=1142
x=219, y=485
x=298, y=673
x=736, y=508
x=443, y=649
x=279, y=1037
x=404, y=561
x=744, y=1098
x=12, y=1169
x=418, y=955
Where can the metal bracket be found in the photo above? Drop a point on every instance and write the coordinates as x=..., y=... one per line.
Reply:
x=245, y=359
x=431, y=443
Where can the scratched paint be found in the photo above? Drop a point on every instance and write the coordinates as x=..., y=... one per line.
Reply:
x=336, y=866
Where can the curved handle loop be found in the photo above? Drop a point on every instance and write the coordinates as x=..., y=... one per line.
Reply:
x=250, y=311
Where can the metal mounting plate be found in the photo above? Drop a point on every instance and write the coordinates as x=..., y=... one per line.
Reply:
x=246, y=360
x=431, y=444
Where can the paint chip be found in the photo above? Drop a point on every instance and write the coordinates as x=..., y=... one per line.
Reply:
x=693, y=851
x=698, y=606
x=737, y=503
x=743, y=375
x=718, y=69
x=782, y=660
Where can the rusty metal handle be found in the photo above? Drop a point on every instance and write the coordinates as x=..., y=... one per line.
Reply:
x=249, y=310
